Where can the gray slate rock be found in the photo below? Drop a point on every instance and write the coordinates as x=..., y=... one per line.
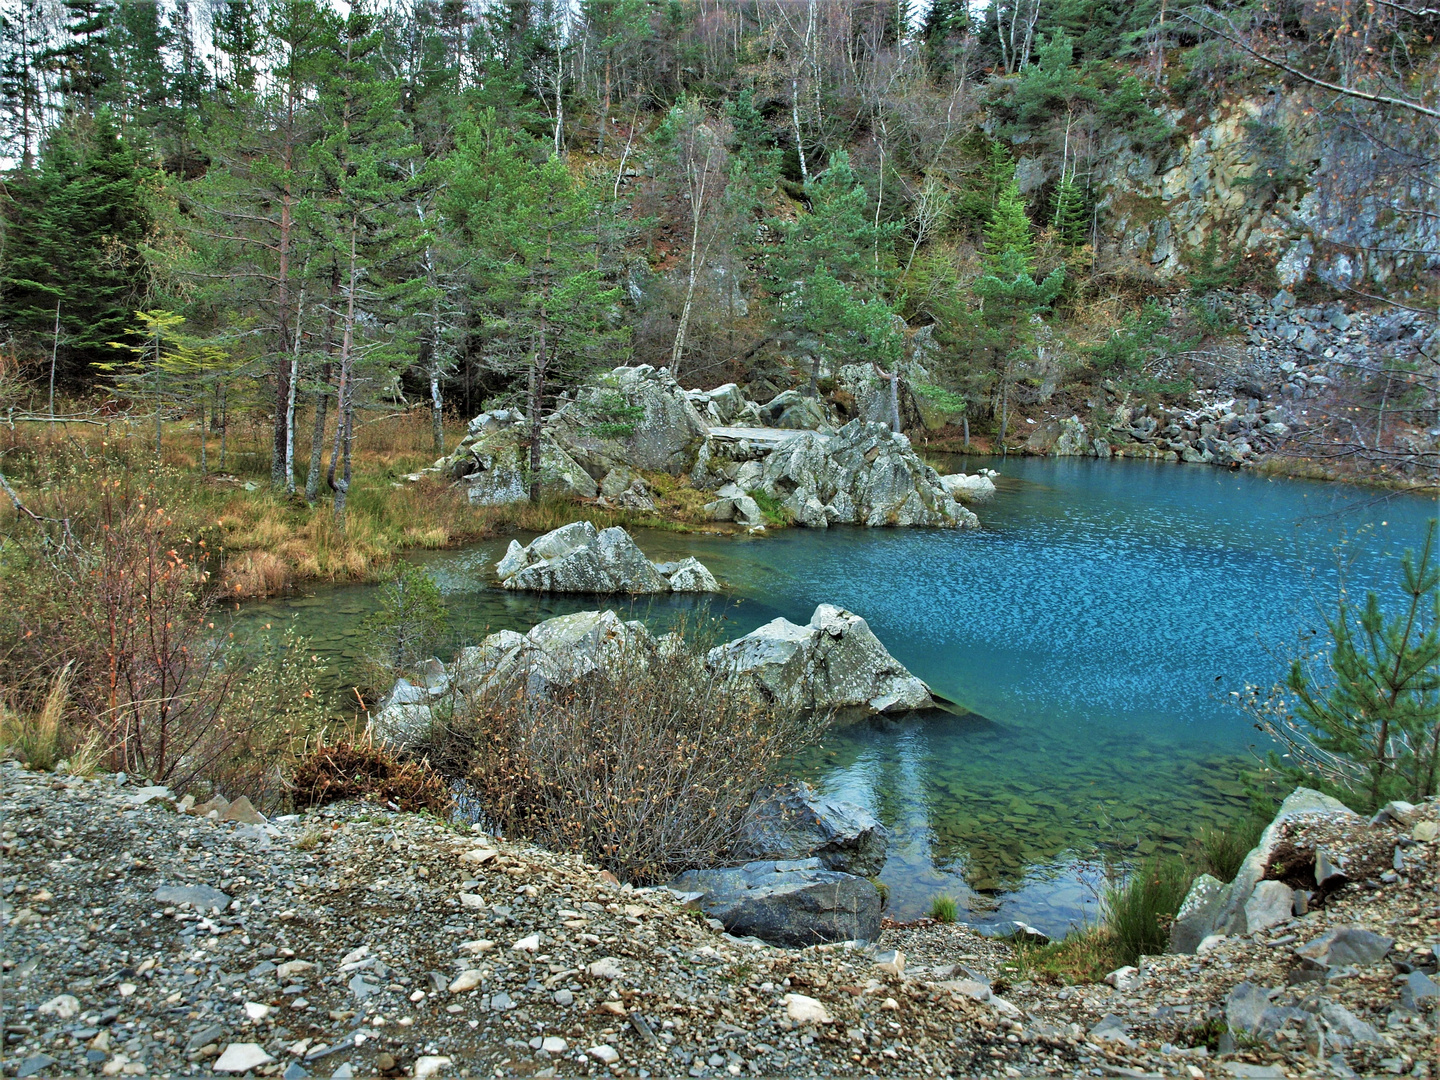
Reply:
x=1418, y=991
x=835, y=662
x=1346, y=945
x=1196, y=917
x=793, y=821
x=797, y=902
x=578, y=558
x=1272, y=903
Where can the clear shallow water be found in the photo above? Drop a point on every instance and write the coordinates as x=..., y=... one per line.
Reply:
x=1093, y=629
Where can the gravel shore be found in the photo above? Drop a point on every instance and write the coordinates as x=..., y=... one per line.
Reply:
x=357, y=941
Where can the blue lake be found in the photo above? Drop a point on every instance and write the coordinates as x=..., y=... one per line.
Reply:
x=1092, y=629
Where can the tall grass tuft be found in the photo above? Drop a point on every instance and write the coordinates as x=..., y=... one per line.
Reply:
x=36, y=739
x=944, y=909
x=1139, y=913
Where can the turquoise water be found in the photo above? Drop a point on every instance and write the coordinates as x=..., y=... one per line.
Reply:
x=1091, y=632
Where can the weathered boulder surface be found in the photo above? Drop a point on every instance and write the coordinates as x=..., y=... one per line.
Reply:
x=864, y=475
x=578, y=558
x=792, y=820
x=632, y=416
x=795, y=902
x=835, y=663
x=554, y=654
x=1229, y=909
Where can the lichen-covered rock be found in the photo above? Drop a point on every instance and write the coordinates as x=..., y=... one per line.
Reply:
x=864, y=475
x=688, y=575
x=553, y=655
x=833, y=664
x=796, y=902
x=578, y=558
x=793, y=409
x=794, y=821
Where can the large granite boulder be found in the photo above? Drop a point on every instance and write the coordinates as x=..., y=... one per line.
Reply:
x=864, y=475
x=1211, y=908
x=579, y=558
x=796, y=902
x=794, y=409
x=869, y=395
x=725, y=406
x=833, y=664
x=793, y=821
x=633, y=416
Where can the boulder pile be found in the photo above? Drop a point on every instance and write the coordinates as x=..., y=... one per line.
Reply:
x=578, y=558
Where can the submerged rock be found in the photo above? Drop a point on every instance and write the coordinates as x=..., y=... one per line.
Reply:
x=578, y=558
x=793, y=821
x=834, y=663
x=796, y=902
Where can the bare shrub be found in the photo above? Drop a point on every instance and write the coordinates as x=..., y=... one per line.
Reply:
x=362, y=768
x=646, y=765
x=122, y=602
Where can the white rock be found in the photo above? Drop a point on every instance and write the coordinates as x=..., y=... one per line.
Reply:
x=607, y=967
x=291, y=968
x=1124, y=978
x=242, y=1057
x=430, y=1065
x=64, y=1007
x=606, y=1055
x=473, y=901
x=126, y=989
x=468, y=979
x=478, y=856
x=355, y=955
x=553, y=1044
x=805, y=1010
x=476, y=947
x=256, y=1010
x=527, y=944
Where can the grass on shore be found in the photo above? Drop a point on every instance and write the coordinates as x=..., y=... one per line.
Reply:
x=1137, y=913
x=269, y=540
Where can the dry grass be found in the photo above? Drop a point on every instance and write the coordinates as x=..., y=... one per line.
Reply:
x=364, y=769
x=37, y=739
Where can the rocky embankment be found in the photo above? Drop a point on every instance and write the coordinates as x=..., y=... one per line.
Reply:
x=579, y=558
x=1252, y=400
x=357, y=941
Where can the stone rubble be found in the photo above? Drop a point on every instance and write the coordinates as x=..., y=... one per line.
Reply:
x=371, y=901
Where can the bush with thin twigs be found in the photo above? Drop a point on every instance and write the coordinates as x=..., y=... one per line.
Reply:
x=362, y=768
x=647, y=765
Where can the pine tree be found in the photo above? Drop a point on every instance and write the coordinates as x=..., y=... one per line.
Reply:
x=22, y=35
x=1009, y=293
x=76, y=227
x=1070, y=219
x=534, y=231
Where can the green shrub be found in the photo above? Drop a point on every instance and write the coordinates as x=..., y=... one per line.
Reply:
x=944, y=909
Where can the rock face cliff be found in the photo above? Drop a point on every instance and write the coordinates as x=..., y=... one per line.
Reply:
x=1274, y=176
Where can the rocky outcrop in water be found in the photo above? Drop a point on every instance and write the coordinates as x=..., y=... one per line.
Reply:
x=975, y=487
x=865, y=474
x=580, y=559
x=833, y=664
